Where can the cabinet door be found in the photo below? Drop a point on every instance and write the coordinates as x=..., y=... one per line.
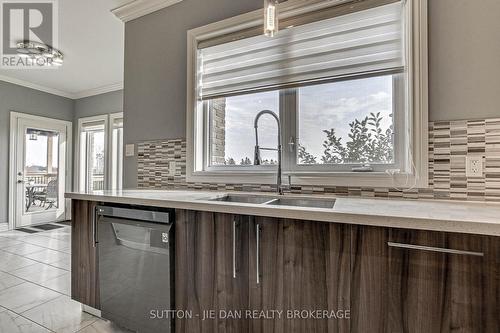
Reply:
x=232, y=271
x=211, y=271
x=266, y=273
x=84, y=256
x=369, y=279
x=195, y=275
x=441, y=282
x=413, y=281
x=301, y=266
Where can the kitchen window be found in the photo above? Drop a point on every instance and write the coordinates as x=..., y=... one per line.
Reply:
x=231, y=131
x=343, y=87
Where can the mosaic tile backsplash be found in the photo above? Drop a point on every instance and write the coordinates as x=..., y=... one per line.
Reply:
x=449, y=143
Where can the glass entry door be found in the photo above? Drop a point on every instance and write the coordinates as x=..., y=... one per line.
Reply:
x=40, y=172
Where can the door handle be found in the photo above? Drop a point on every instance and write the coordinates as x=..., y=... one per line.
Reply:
x=291, y=144
x=234, y=249
x=257, y=237
x=433, y=249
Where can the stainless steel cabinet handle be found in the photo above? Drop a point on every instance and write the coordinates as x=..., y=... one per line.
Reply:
x=434, y=249
x=257, y=237
x=234, y=249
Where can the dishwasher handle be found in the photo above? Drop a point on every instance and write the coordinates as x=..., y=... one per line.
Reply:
x=94, y=226
x=136, y=214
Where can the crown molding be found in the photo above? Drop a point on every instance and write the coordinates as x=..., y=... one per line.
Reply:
x=98, y=90
x=81, y=94
x=36, y=86
x=138, y=8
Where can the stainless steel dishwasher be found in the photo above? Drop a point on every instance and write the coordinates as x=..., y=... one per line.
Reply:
x=136, y=267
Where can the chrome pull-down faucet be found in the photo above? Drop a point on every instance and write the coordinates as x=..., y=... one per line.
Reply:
x=257, y=158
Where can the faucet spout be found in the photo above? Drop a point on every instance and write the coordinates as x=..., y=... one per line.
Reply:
x=257, y=157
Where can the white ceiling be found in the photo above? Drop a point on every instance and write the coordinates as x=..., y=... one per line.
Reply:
x=92, y=41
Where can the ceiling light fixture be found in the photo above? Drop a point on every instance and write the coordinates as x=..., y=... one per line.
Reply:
x=41, y=53
x=270, y=17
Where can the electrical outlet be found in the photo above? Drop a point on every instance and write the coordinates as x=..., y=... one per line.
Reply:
x=129, y=150
x=474, y=166
x=171, y=168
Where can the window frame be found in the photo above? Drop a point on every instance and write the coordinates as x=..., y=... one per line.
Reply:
x=207, y=166
x=415, y=125
x=291, y=132
x=115, y=155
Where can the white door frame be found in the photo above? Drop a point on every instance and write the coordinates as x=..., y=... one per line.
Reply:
x=13, y=154
x=112, y=118
x=108, y=120
x=81, y=122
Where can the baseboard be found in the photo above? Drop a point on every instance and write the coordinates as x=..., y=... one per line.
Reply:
x=91, y=310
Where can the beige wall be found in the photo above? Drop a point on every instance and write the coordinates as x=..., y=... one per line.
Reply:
x=464, y=59
x=464, y=64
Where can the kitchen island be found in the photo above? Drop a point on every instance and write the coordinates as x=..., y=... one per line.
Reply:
x=365, y=265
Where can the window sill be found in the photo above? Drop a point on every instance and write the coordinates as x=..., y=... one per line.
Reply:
x=368, y=179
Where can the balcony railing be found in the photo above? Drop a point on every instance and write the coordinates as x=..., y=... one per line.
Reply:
x=40, y=177
x=44, y=178
x=97, y=182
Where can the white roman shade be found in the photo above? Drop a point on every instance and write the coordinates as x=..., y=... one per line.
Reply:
x=117, y=123
x=95, y=125
x=360, y=43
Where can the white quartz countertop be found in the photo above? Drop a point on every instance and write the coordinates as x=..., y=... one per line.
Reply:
x=449, y=216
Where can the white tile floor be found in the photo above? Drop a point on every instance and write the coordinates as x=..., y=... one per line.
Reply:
x=35, y=281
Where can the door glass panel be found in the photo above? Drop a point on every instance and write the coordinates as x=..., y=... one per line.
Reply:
x=95, y=161
x=92, y=158
x=41, y=170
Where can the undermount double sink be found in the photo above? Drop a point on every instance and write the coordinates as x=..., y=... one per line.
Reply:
x=277, y=200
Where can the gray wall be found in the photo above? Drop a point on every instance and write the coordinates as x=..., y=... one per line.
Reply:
x=25, y=100
x=464, y=59
x=111, y=102
x=464, y=64
x=155, y=70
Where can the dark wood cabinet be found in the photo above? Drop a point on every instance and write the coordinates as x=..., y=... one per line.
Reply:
x=369, y=264
x=303, y=269
x=195, y=275
x=232, y=271
x=420, y=281
x=266, y=271
x=286, y=269
x=383, y=280
x=211, y=270
x=84, y=260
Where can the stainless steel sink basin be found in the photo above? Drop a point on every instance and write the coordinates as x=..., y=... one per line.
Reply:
x=303, y=202
x=276, y=200
x=253, y=199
